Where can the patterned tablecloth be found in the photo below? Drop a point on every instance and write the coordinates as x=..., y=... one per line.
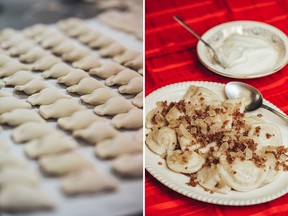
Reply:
x=171, y=57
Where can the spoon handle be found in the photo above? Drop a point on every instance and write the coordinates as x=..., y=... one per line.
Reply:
x=180, y=21
x=284, y=117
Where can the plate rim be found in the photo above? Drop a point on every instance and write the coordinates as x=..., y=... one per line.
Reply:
x=194, y=195
x=275, y=30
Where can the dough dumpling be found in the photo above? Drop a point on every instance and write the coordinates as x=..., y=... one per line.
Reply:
x=12, y=67
x=96, y=132
x=79, y=120
x=65, y=163
x=89, y=36
x=18, y=197
x=4, y=59
x=56, y=71
x=119, y=145
x=112, y=50
x=31, y=87
x=73, y=77
x=122, y=78
x=13, y=40
x=30, y=131
x=11, y=175
x=7, y=33
x=20, y=116
x=46, y=96
x=134, y=86
x=7, y=160
x=85, y=86
x=107, y=69
x=52, y=40
x=138, y=100
x=19, y=78
x=98, y=96
x=10, y=103
x=128, y=165
x=21, y=48
x=76, y=54
x=87, y=181
x=135, y=63
x=65, y=47
x=61, y=108
x=35, y=30
x=69, y=23
x=77, y=31
x=133, y=119
x=101, y=42
x=51, y=143
x=126, y=56
x=45, y=63
x=114, y=106
x=33, y=55
x=87, y=62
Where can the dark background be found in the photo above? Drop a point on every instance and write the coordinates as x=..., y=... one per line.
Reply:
x=19, y=14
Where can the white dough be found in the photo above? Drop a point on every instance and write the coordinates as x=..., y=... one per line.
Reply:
x=12, y=67
x=89, y=36
x=101, y=42
x=56, y=71
x=19, y=78
x=4, y=59
x=135, y=63
x=87, y=181
x=138, y=100
x=34, y=30
x=4, y=148
x=73, y=77
x=134, y=86
x=65, y=163
x=65, y=47
x=112, y=50
x=87, y=62
x=10, y=103
x=46, y=96
x=30, y=131
x=13, y=40
x=126, y=56
x=133, y=119
x=33, y=55
x=20, y=116
x=52, y=40
x=31, y=87
x=96, y=132
x=77, y=31
x=98, y=96
x=79, y=120
x=128, y=165
x=51, y=143
x=18, y=197
x=86, y=86
x=107, y=69
x=12, y=175
x=76, y=54
x=7, y=160
x=122, y=78
x=114, y=106
x=21, y=48
x=61, y=108
x=119, y=145
x=45, y=63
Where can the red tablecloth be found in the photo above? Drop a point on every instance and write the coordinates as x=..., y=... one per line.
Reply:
x=171, y=57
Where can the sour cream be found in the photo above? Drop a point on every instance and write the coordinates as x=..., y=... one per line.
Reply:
x=246, y=55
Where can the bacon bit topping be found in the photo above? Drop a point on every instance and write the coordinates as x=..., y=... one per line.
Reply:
x=159, y=163
x=268, y=136
x=259, y=115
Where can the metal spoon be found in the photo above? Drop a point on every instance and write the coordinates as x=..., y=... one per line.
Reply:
x=217, y=59
x=253, y=98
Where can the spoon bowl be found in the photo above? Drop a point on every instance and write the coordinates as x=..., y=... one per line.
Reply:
x=252, y=97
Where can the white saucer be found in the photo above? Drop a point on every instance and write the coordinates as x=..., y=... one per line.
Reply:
x=216, y=36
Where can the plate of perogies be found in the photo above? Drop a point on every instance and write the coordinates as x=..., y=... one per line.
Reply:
x=204, y=146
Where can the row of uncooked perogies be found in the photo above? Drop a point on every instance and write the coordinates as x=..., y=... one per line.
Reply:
x=102, y=96
x=78, y=29
x=130, y=81
x=19, y=186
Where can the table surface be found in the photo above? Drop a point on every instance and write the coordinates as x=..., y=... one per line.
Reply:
x=171, y=57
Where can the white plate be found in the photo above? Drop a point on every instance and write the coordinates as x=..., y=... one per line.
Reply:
x=216, y=36
x=177, y=181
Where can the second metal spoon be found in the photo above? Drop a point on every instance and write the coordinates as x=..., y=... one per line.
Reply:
x=253, y=98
